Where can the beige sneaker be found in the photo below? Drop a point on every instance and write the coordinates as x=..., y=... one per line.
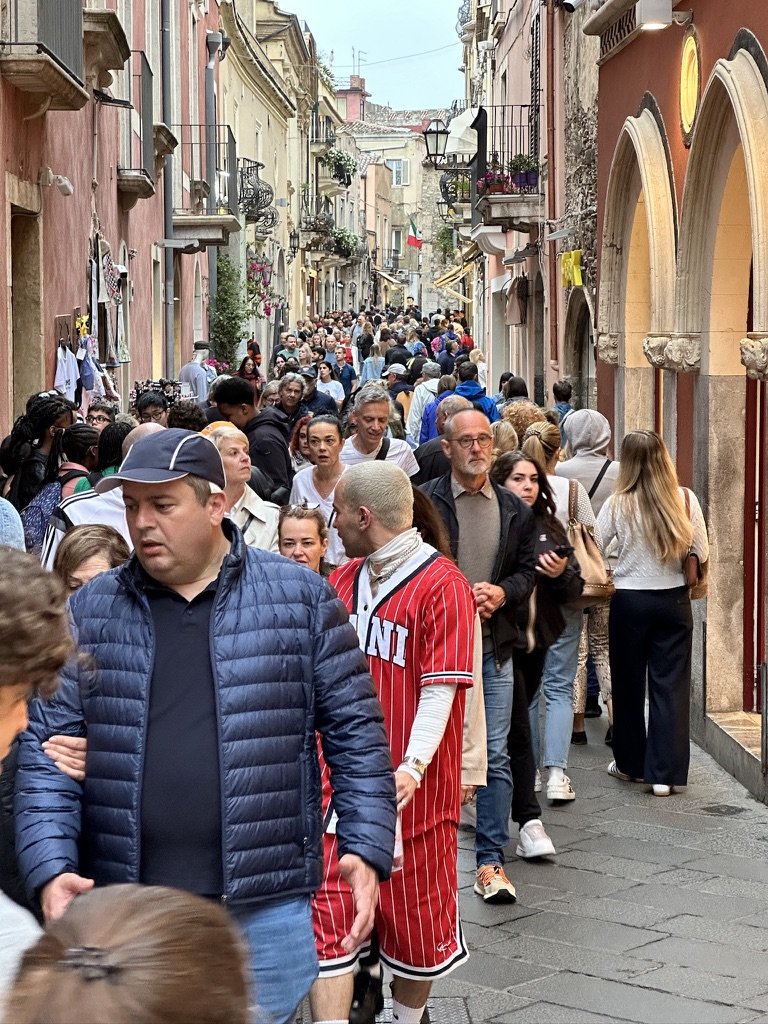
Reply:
x=493, y=885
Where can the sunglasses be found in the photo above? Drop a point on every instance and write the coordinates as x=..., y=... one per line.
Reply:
x=302, y=506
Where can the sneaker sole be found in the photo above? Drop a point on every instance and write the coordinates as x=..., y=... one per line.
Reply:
x=502, y=896
x=560, y=798
x=550, y=852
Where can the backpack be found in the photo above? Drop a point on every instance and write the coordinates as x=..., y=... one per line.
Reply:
x=37, y=514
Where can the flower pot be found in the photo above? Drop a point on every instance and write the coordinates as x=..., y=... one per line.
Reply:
x=520, y=178
x=532, y=179
x=495, y=188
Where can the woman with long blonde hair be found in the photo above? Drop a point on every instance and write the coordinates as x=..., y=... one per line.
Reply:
x=650, y=627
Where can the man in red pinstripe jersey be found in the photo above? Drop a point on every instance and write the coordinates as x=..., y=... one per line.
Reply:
x=414, y=613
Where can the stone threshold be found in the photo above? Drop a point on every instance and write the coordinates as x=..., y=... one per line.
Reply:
x=733, y=739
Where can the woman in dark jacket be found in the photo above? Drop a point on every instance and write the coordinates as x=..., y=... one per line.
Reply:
x=558, y=581
x=249, y=371
x=26, y=452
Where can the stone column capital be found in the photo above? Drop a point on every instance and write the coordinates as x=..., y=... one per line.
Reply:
x=680, y=353
x=654, y=346
x=608, y=348
x=754, y=355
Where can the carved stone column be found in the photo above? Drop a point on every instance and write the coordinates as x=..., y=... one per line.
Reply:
x=608, y=348
x=680, y=353
x=654, y=346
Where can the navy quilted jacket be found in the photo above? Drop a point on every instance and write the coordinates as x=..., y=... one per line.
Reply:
x=286, y=662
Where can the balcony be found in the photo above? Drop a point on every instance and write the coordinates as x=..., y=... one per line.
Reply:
x=106, y=47
x=456, y=190
x=206, y=206
x=322, y=135
x=316, y=214
x=42, y=51
x=509, y=166
x=136, y=169
x=255, y=196
x=498, y=19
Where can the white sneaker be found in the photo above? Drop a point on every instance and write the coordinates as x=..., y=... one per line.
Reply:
x=560, y=788
x=661, y=790
x=537, y=783
x=534, y=841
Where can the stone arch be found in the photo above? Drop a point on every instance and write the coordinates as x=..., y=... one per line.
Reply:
x=579, y=348
x=722, y=303
x=637, y=281
x=639, y=190
x=733, y=117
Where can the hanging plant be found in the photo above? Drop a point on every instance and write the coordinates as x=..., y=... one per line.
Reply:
x=342, y=165
x=345, y=242
x=443, y=244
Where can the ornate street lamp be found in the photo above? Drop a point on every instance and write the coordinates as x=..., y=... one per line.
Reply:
x=436, y=139
x=294, y=242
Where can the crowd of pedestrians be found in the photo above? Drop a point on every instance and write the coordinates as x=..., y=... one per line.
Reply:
x=325, y=608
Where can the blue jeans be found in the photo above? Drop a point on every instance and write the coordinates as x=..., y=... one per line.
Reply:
x=557, y=687
x=283, y=958
x=494, y=801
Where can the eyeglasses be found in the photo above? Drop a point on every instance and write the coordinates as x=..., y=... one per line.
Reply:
x=97, y=419
x=302, y=506
x=152, y=417
x=484, y=440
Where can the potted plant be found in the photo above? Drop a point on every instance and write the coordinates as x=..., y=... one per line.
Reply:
x=345, y=242
x=494, y=181
x=341, y=165
x=524, y=170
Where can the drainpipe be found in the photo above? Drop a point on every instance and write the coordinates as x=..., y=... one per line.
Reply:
x=213, y=41
x=166, y=13
x=551, y=176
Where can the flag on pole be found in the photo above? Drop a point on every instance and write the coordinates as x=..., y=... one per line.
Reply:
x=414, y=236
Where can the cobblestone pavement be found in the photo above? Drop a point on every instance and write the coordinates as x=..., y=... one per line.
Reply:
x=653, y=910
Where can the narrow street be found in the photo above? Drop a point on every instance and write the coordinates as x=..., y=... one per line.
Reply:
x=653, y=910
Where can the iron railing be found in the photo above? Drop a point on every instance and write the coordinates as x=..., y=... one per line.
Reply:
x=316, y=214
x=54, y=27
x=322, y=131
x=512, y=146
x=456, y=185
x=390, y=259
x=208, y=156
x=141, y=145
x=255, y=196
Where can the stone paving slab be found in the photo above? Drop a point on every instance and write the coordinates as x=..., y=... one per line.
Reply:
x=550, y=1013
x=587, y=933
x=626, y=1002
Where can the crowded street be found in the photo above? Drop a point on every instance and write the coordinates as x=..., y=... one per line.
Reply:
x=383, y=530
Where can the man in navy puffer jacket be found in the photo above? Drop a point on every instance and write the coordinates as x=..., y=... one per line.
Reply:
x=211, y=665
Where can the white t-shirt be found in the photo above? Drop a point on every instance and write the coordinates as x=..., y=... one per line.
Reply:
x=82, y=509
x=400, y=453
x=67, y=372
x=332, y=388
x=303, y=489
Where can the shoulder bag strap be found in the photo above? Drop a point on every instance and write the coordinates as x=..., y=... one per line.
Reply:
x=598, y=478
x=573, y=490
x=383, y=451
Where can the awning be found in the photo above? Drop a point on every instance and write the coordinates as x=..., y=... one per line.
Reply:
x=453, y=276
x=466, y=299
x=462, y=139
x=391, y=280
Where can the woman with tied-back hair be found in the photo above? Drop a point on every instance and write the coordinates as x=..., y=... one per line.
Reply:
x=25, y=453
x=316, y=484
x=505, y=439
x=133, y=954
x=541, y=443
x=650, y=627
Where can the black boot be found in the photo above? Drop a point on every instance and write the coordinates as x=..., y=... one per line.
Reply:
x=593, y=709
x=367, y=998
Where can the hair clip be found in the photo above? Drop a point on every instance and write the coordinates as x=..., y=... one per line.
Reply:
x=90, y=961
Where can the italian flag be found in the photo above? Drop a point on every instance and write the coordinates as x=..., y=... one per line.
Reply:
x=414, y=236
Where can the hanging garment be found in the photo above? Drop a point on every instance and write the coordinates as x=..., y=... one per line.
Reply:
x=67, y=372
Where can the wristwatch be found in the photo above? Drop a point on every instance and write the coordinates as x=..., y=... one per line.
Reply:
x=414, y=765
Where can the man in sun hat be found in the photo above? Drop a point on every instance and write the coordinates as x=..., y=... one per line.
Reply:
x=212, y=665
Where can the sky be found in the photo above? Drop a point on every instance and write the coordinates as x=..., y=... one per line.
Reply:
x=384, y=30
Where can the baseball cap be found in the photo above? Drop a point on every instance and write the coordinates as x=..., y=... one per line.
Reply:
x=397, y=368
x=308, y=371
x=169, y=455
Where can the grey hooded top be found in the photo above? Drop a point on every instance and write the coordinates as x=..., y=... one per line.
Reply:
x=588, y=434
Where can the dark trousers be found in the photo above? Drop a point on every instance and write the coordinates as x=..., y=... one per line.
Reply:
x=528, y=669
x=649, y=635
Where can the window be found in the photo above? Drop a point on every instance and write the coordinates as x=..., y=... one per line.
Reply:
x=397, y=241
x=400, y=171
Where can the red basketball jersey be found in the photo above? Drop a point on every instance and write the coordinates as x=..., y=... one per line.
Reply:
x=418, y=631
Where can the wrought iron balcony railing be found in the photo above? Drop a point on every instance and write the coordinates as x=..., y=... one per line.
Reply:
x=322, y=132
x=208, y=157
x=256, y=196
x=513, y=145
x=54, y=27
x=316, y=214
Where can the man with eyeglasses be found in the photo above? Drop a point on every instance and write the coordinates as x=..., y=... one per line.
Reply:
x=152, y=407
x=99, y=415
x=492, y=535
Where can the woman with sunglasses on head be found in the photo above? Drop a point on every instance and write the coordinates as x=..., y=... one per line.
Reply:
x=316, y=484
x=303, y=536
x=256, y=518
x=655, y=523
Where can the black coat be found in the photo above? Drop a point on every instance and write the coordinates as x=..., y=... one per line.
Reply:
x=432, y=460
x=514, y=569
x=397, y=354
x=267, y=435
x=547, y=621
